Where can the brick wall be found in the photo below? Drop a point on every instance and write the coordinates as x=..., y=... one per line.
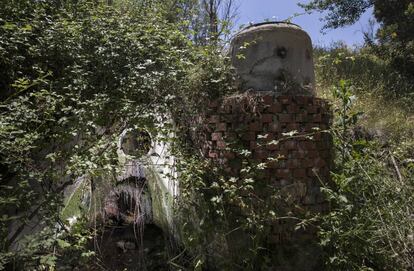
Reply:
x=296, y=162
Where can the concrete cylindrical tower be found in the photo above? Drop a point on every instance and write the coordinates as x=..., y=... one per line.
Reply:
x=282, y=126
x=274, y=57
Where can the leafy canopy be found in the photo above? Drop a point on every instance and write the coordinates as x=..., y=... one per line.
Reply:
x=73, y=75
x=395, y=35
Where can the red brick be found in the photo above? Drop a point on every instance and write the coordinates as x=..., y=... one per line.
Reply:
x=221, y=145
x=275, y=108
x=267, y=99
x=230, y=136
x=261, y=154
x=214, y=119
x=213, y=104
x=213, y=154
x=312, y=172
x=307, y=163
x=301, y=117
x=265, y=137
x=249, y=136
x=241, y=126
x=299, y=154
x=311, y=109
x=320, y=163
x=272, y=164
x=326, y=118
x=280, y=153
x=317, y=136
x=292, y=108
x=301, y=100
x=290, y=145
x=317, y=118
x=216, y=136
x=303, y=137
x=308, y=127
x=247, y=117
x=321, y=146
x=326, y=154
x=292, y=163
x=255, y=126
x=293, y=127
x=323, y=126
x=229, y=155
x=253, y=145
x=275, y=127
x=221, y=127
x=225, y=109
x=229, y=118
x=285, y=118
x=326, y=137
x=285, y=99
x=266, y=118
x=281, y=163
x=272, y=147
x=283, y=173
x=313, y=155
x=307, y=145
x=299, y=173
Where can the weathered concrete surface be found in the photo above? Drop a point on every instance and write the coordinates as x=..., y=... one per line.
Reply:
x=157, y=166
x=274, y=57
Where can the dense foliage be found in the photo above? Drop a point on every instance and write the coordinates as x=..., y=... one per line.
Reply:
x=74, y=74
x=369, y=73
x=395, y=35
x=370, y=225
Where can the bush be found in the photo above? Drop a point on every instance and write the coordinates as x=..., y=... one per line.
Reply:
x=368, y=72
x=73, y=76
x=370, y=225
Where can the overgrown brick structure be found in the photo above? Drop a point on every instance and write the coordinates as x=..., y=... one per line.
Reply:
x=287, y=133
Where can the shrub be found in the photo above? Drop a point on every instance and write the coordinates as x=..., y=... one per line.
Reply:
x=370, y=225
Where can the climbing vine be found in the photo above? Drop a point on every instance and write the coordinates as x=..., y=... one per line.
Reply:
x=73, y=76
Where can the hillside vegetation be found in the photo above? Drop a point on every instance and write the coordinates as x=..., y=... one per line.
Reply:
x=371, y=224
x=74, y=74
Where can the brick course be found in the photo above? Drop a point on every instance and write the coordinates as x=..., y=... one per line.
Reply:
x=300, y=157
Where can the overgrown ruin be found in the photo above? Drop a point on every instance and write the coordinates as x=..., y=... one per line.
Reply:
x=276, y=117
x=279, y=120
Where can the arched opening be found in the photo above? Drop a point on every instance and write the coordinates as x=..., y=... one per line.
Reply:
x=129, y=239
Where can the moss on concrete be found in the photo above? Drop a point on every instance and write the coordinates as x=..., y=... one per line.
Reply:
x=162, y=201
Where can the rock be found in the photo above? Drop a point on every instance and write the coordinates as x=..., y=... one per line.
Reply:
x=126, y=245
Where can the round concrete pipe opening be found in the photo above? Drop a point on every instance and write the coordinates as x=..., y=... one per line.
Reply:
x=136, y=143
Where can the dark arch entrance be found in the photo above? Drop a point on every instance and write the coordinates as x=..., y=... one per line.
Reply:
x=129, y=240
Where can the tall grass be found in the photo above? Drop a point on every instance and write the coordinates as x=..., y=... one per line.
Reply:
x=371, y=222
x=385, y=96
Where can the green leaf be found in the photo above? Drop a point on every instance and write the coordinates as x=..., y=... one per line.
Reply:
x=63, y=244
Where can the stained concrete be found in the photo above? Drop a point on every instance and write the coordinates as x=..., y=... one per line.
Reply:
x=274, y=57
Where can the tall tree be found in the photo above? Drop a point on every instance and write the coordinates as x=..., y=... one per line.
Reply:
x=396, y=32
x=207, y=21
